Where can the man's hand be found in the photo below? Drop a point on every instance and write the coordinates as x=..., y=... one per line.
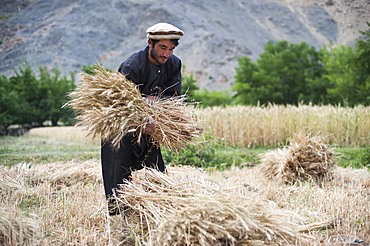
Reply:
x=151, y=99
x=150, y=126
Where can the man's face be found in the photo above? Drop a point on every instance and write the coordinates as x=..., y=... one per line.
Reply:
x=161, y=51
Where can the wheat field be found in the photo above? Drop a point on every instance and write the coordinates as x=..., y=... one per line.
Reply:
x=63, y=203
x=273, y=125
x=269, y=126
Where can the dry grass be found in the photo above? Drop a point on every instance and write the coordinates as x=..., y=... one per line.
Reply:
x=305, y=159
x=269, y=126
x=66, y=199
x=17, y=229
x=337, y=208
x=192, y=210
x=63, y=204
x=110, y=106
x=64, y=133
x=272, y=125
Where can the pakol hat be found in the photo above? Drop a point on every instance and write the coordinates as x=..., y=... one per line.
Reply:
x=163, y=31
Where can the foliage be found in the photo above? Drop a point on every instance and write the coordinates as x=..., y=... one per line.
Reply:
x=213, y=98
x=31, y=100
x=286, y=73
x=353, y=157
x=56, y=90
x=204, y=97
x=348, y=73
x=10, y=104
x=365, y=157
x=363, y=59
x=90, y=69
x=189, y=86
x=244, y=81
x=29, y=203
x=362, y=63
x=211, y=153
x=26, y=86
x=339, y=74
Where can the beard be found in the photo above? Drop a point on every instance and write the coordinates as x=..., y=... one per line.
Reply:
x=157, y=57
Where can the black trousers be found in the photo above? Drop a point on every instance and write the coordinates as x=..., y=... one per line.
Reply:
x=117, y=164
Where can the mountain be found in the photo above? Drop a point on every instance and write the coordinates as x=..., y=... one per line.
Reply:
x=72, y=33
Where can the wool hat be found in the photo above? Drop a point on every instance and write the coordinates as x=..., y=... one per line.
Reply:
x=163, y=31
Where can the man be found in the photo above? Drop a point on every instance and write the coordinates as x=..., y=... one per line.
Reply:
x=157, y=72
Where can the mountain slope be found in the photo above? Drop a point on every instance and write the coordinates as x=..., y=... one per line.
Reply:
x=72, y=33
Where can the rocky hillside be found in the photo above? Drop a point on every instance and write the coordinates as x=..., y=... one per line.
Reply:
x=72, y=33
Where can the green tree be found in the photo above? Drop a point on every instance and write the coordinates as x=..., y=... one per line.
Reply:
x=285, y=73
x=213, y=98
x=189, y=87
x=340, y=73
x=90, y=69
x=362, y=62
x=35, y=100
x=204, y=97
x=25, y=85
x=348, y=73
x=55, y=89
x=10, y=105
x=245, y=84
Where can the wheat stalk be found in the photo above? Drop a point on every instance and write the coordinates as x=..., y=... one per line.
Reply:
x=110, y=106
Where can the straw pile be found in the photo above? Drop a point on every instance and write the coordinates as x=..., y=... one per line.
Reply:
x=110, y=106
x=16, y=229
x=60, y=174
x=306, y=159
x=165, y=211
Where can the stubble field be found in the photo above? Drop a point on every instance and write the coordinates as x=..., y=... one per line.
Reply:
x=60, y=201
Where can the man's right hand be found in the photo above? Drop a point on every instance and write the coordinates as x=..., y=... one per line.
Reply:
x=151, y=99
x=149, y=128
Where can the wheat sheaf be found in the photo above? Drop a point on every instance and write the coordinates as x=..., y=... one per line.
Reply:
x=109, y=106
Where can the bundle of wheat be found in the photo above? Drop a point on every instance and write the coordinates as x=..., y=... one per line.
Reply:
x=12, y=182
x=306, y=159
x=111, y=106
x=165, y=211
x=64, y=173
x=16, y=229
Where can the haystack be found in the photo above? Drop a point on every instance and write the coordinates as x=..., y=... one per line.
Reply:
x=110, y=106
x=305, y=159
x=196, y=211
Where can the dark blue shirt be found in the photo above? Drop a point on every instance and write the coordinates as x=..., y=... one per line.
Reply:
x=163, y=80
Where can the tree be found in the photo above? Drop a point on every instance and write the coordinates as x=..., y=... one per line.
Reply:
x=244, y=81
x=90, y=69
x=340, y=74
x=25, y=85
x=363, y=64
x=56, y=90
x=348, y=73
x=10, y=105
x=285, y=73
x=213, y=98
x=204, y=97
x=189, y=85
x=34, y=100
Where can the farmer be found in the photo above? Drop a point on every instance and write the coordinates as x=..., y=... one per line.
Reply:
x=157, y=72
